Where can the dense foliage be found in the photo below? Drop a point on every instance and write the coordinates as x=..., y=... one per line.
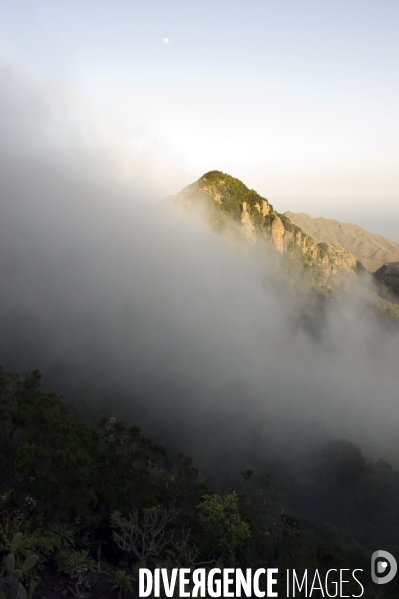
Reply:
x=96, y=503
x=233, y=193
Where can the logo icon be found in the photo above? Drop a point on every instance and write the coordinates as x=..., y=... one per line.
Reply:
x=383, y=567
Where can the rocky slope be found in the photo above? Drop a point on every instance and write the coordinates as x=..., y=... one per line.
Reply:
x=221, y=200
x=388, y=274
x=371, y=250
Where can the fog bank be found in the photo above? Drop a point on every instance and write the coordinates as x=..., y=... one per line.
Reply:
x=117, y=299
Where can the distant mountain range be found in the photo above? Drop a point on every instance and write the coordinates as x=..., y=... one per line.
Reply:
x=326, y=255
x=373, y=251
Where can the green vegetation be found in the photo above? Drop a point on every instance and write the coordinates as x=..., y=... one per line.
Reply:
x=91, y=505
x=233, y=193
x=16, y=569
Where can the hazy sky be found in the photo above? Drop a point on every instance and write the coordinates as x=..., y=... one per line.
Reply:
x=294, y=98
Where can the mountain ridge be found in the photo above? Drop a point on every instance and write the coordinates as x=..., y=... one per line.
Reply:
x=225, y=200
x=372, y=250
x=227, y=205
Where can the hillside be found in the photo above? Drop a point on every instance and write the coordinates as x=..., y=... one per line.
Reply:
x=293, y=255
x=221, y=199
x=389, y=275
x=93, y=504
x=371, y=250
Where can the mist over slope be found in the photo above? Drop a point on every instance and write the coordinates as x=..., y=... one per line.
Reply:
x=239, y=214
x=155, y=317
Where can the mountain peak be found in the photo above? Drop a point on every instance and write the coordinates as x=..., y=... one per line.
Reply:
x=227, y=200
x=228, y=206
x=214, y=176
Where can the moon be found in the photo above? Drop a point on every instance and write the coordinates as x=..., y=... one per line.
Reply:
x=166, y=41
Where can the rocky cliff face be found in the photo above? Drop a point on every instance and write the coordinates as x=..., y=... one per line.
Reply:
x=247, y=223
x=221, y=199
x=278, y=235
x=388, y=274
x=373, y=251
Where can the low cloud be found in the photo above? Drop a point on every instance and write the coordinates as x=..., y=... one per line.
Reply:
x=119, y=299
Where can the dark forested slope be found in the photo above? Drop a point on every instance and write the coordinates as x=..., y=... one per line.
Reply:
x=96, y=503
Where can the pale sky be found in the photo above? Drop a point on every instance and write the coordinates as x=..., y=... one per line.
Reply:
x=296, y=98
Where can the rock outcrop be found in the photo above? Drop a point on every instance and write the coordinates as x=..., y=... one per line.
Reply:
x=388, y=274
x=277, y=232
x=247, y=223
x=373, y=251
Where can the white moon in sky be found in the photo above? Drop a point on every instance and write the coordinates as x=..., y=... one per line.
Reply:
x=166, y=40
